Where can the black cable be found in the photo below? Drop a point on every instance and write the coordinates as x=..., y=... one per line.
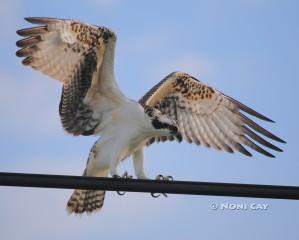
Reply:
x=152, y=186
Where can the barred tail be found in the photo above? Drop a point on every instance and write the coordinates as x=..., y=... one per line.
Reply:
x=86, y=200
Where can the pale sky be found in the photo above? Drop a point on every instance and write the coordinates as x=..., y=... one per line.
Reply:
x=248, y=49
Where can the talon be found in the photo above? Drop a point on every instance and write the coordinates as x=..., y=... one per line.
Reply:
x=165, y=178
x=121, y=193
x=168, y=178
x=155, y=195
x=124, y=176
x=161, y=178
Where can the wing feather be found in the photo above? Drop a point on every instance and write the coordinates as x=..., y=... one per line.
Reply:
x=81, y=57
x=216, y=138
x=194, y=130
x=228, y=138
x=183, y=127
x=211, y=140
x=201, y=131
x=259, y=139
x=187, y=128
x=206, y=116
x=221, y=138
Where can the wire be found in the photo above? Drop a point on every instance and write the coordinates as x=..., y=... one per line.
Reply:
x=152, y=186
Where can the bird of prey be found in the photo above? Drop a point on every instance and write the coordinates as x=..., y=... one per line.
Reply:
x=81, y=57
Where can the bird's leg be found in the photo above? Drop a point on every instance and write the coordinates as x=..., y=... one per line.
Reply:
x=113, y=165
x=124, y=176
x=138, y=160
x=161, y=178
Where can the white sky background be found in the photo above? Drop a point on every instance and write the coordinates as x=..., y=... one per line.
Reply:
x=246, y=49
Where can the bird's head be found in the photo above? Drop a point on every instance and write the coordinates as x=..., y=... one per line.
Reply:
x=162, y=124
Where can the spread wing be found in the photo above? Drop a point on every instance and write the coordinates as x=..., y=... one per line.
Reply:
x=207, y=116
x=81, y=56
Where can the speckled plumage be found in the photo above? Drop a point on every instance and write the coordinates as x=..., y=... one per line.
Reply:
x=68, y=51
x=206, y=116
x=81, y=57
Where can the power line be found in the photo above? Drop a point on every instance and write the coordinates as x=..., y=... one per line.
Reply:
x=156, y=186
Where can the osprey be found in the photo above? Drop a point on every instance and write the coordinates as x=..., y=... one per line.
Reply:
x=81, y=57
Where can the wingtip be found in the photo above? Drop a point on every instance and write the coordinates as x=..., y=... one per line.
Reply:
x=41, y=20
x=278, y=149
x=20, y=32
x=27, y=61
x=248, y=110
x=269, y=154
x=280, y=140
x=269, y=120
x=18, y=43
x=18, y=53
x=263, y=117
x=260, y=116
x=246, y=153
x=33, y=19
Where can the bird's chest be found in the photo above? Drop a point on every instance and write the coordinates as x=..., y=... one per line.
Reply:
x=132, y=139
x=126, y=127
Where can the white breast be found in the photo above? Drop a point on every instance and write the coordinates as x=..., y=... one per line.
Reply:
x=126, y=127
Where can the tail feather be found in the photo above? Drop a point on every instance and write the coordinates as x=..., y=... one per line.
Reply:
x=85, y=201
x=88, y=200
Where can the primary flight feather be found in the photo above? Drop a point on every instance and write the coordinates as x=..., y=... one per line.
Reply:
x=81, y=56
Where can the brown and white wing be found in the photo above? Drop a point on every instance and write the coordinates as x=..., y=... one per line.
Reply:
x=208, y=117
x=80, y=56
